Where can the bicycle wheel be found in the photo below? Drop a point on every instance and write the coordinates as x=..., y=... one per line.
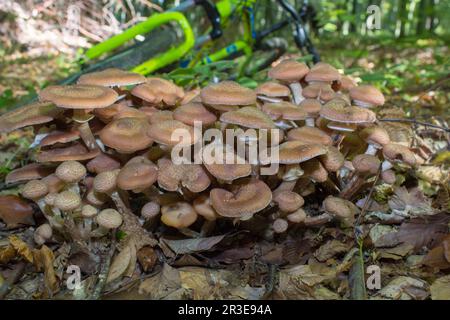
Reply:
x=266, y=53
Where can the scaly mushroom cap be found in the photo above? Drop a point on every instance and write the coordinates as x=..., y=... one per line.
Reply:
x=106, y=182
x=202, y=205
x=284, y=111
x=67, y=201
x=43, y=233
x=246, y=200
x=76, y=152
x=157, y=90
x=273, y=90
x=161, y=116
x=368, y=95
x=319, y=90
x=227, y=93
x=314, y=170
x=54, y=184
x=311, y=107
x=398, y=153
x=375, y=135
x=347, y=83
x=34, y=189
x=137, y=175
x=288, y=201
x=57, y=136
x=150, y=210
x=79, y=96
x=366, y=164
x=126, y=135
x=107, y=114
x=178, y=215
x=280, y=225
x=194, y=111
x=191, y=176
x=88, y=211
x=309, y=135
x=288, y=71
x=103, y=162
x=109, y=219
x=291, y=152
x=323, y=72
x=70, y=171
x=340, y=208
x=333, y=160
x=129, y=112
x=28, y=172
x=162, y=133
x=111, y=77
x=29, y=115
x=339, y=111
x=249, y=117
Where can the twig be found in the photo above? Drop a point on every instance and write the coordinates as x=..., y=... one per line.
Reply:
x=426, y=124
x=368, y=199
x=103, y=273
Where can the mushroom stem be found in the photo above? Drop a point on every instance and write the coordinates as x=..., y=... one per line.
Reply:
x=309, y=121
x=318, y=220
x=87, y=136
x=296, y=89
x=207, y=227
x=371, y=149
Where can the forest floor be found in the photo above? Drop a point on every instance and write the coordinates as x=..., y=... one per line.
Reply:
x=414, y=75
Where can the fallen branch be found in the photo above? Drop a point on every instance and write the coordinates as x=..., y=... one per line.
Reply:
x=426, y=124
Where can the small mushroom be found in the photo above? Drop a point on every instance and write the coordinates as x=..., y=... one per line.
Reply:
x=341, y=209
x=365, y=165
x=272, y=92
x=227, y=95
x=366, y=96
x=71, y=172
x=179, y=215
x=192, y=112
x=159, y=92
x=42, y=234
x=312, y=108
x=376, y=137
x=107, y=219
x=150, y=213
x=397, y=153
x=172, y=177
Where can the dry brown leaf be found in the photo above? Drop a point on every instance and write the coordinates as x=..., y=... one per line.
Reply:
x=440, y=289
x=404, y=288
x=192, y=245
x=396, y=253
x=147, y=258
x=120, y=264
x=15, y=212
x=43, y=260
x=330, y=249
x=7, y=253
x=162, y=285
x=412, y=202
x=21, y=248
x=439, y=256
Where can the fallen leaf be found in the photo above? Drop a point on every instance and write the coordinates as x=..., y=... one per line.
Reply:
x=410, y=203
x=120, y=264
x=440, y=289
x=43, y=260
x=192, y=245
x=400, y=289
x=439, y=256
x=147, y=258
x=330, y=249
x=162, y=284
x=21, y=248
x=15, y=212
x=7, y=253
x=396, y=253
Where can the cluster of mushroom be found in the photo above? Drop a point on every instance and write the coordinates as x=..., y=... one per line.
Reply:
x=105, y=144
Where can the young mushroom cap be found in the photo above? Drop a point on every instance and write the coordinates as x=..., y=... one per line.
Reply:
x=333, y=160
x=323, y=72
x=79, y=96
x=249, y=117
x=284, y=111
x=191, y=176
x=137, y=175
x=89, y=211
x=297, y=216
x=70, y=171
x=367, y=96
x=103, y=162
x=227, y=93
x=76, y=151
x=315, y=170
x=202, y=205
x=178, y=215
x=28, y=115
x=309, y=135
x=28, y=172
x=347, y=83
x=162, y=132
x=388, y=176
x=273, y=90
x=111, y=77
x=288, y=71
x=109, y=219
x=34, y=189
x=106, y=182
x=280, y=225
x=311, y=107
x=366, y=164
x=126, y=135
x=338, y=110
x=157, y=90
x=150, y=210
x=375, y=135
x=42, y=233
x=67, y=200
x=398, y=153
x=320, y=90
x=246, y=200
x=194, y=111
x=340, y=208
x=291, y=152
x=288, y=201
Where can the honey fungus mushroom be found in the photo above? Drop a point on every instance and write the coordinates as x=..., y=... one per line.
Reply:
x=227, y=95
x=272, y=92
x=158, y=92
x=111, y=77
x=179, y=215
x=172, y=177
x=341, y=209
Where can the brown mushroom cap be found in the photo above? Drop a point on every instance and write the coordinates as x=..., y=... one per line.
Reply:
x=367, y=94
x=272, y=89
x=178, y=215
x=311, y=107
x=347, y=83
x=76, y=152
x=137, y=175
x=194, y=111
x=333, y=160
x=88, y=211
x=284, y=111
x=103, y=162
x=157, y=90
x=130, y=112
x=54, y=184
x=43, y=233
x=162, y=132
x=366, y=164
x=323, y=72
x=388, y=176
x=67, y=201
x=280, y=225
x=291, y=152
x=59, y=137
x=297, y=216
x=28, y=172
x=111, y=77
x=340, y=208
x=398, y=153
x=202, y=205
x=246, y=200
x=309, y=135
x=106, y=182
x=375, y=135
x=322, y=91
x=126, y=135
x=339, y=111
x=79, y=96
x=29, y=115
x=288, y=71
x=191, y=176
x=107, y=114
x=109, y=219
x=315, y=170
x=249, y=117
x=70, y=171
x=34, y=189
x=288, y=201
x=227, y=93
x=150, y=210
